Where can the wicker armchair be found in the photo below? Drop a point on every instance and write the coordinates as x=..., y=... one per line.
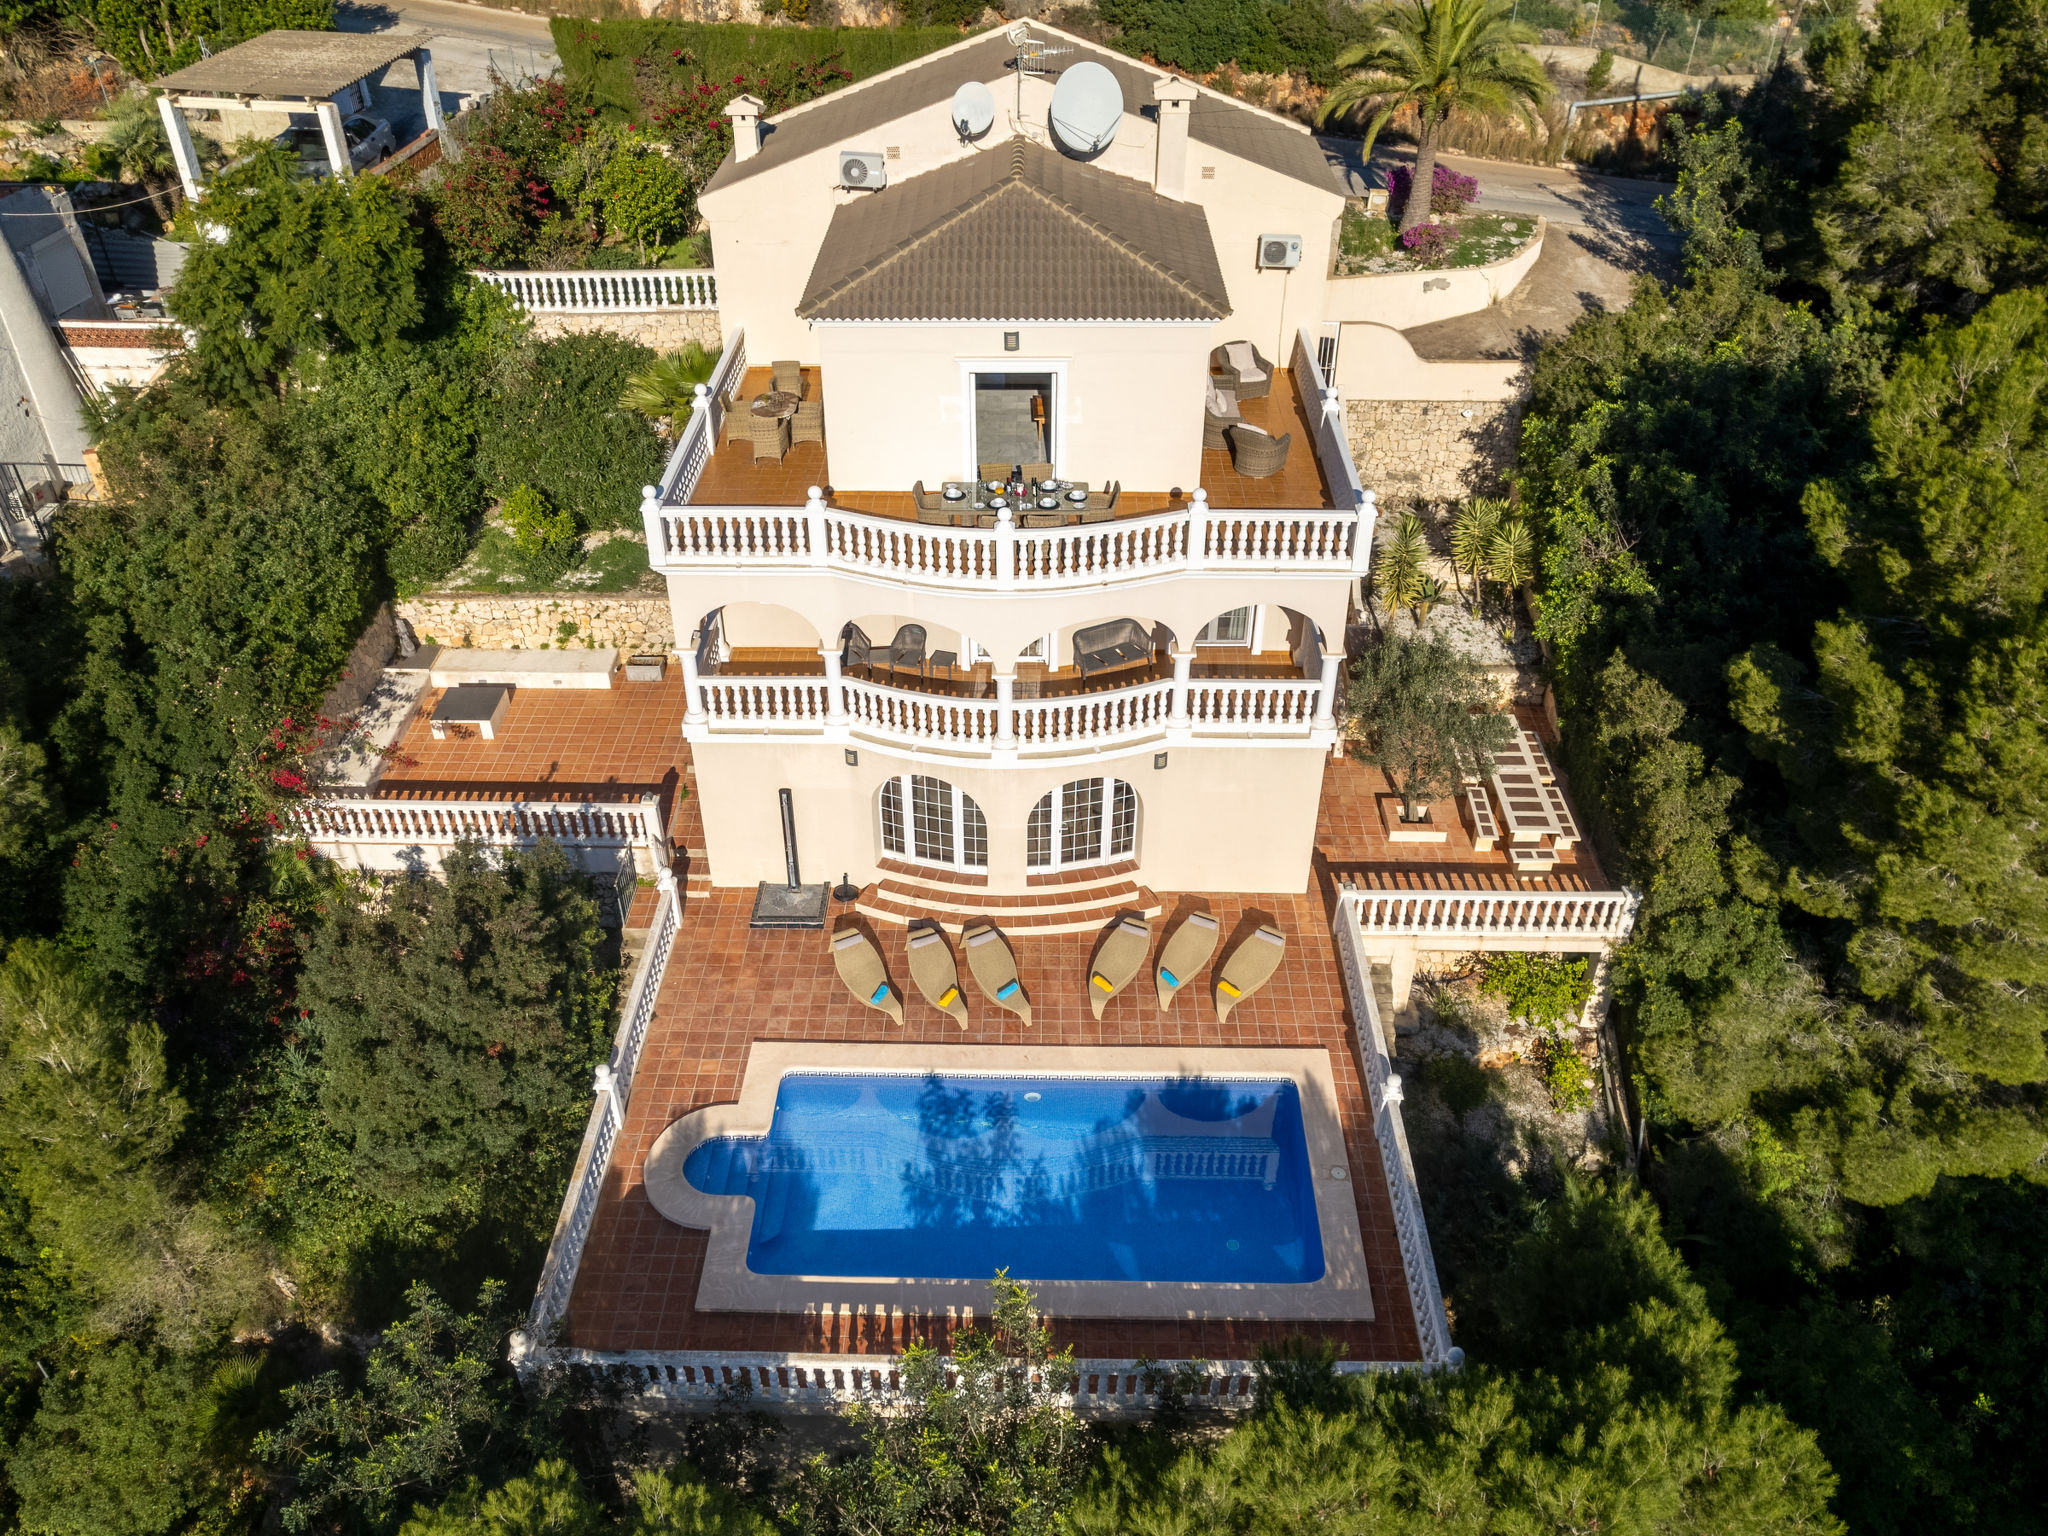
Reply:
x=994, y=471
x=808, y=425
x=1039, y=472
x=771, y=437
x=789, y=377
x=1101, y=504
x=1256, y=454
x=1237, y=379
x=735, y=429
x=1216, y=423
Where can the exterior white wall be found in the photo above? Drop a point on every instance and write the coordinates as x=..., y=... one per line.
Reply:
x=899, y=406
x=1376, y=362
x=764, y=605
x=1407, y=299
x=1214, y=819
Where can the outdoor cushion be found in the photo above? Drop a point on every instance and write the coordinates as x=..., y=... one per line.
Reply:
x=994, y=968
x=1222, y=402
x=1245, y=428
x=1248, y=967
x=933, y=969
x=1186, y=950
x=1119, y=957
x=860, y=967
x=1245, y=359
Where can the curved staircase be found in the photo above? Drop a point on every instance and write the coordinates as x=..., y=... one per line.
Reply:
x=1078, y=902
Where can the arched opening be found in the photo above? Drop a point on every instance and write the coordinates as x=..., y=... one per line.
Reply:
x=756, y=640
x=1084, y=821
x=929, y=821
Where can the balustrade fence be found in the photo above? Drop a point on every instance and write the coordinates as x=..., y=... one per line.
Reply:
x=1516, y=919
x=368, y=830
x=606, y=293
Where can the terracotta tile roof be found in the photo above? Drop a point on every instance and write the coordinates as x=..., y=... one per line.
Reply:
x=1235, y=128
x=1017, y=233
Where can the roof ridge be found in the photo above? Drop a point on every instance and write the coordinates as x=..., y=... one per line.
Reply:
x=919, y=237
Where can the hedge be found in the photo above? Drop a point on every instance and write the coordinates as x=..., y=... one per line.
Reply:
x=598, y=55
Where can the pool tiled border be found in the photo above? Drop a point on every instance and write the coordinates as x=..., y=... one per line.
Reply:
x=1343, y=1292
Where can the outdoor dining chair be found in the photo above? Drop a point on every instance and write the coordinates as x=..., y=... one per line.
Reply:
x=855, y=649
x=907, y=649
x=789, y=377
x=808, y=425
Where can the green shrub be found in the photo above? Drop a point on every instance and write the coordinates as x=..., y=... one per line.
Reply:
x=1546, y=990
x=557, y=427
x=1601, y=72
x=545, y=536
x=1564, y=1071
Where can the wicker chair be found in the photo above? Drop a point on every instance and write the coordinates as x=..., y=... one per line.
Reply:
x=1255, y=454
x=1104, y=500
x=994, y=471
x=771, y=437
x=1037, y=472
x=736, y=429
x=1215, y=424
x=789, y=377
x=808, y=425
x=855, y=649
x=1231, y=378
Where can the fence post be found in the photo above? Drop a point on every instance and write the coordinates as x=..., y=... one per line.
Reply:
x=1198, y=530
x=1326, y=697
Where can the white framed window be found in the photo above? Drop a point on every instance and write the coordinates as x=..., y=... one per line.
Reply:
x=932, y=822
x=1232, y=628
x=1085, y=821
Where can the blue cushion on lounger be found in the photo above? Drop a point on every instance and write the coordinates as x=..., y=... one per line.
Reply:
x=1168, y=977
x=1003, y=992
x=881, y=992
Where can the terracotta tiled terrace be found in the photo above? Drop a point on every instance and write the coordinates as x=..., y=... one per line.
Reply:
x=729, y=985
x=733, y=478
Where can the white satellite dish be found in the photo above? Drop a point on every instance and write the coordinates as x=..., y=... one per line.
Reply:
x=1087, y=105
x=974, y=110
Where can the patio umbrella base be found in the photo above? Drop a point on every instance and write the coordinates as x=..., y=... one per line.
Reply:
x=790, y=906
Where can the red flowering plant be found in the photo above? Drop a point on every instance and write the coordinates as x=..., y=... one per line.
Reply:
x=488, y=207
x=1430, y=244
x=691, y=118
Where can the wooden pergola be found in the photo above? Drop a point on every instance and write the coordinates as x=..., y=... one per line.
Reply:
x=325, y=73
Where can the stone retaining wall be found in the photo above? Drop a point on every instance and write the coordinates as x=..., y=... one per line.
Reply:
x=1435, y=450
x=487, y=621
x=665, y=330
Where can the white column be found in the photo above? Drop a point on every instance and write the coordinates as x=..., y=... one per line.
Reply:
x=835, y=686
x=336, y=141
x=657, y=841
x=1006, y=711
x=1198, y=530
x=1006, y=550
x=1368, y=518
x=180, y=133
x=1183, y=672
x=1326, y=697
x=430, y=93
x=694, y=714
x=814, y=520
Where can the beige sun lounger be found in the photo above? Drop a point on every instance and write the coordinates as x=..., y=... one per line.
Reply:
x=1119, y=958
x=995, y=969
x=1248, y=967
x=1185, y=952
x=933, y=969
x=860, y=966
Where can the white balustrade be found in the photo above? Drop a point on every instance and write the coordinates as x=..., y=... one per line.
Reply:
x=1473, y=918
x=922, y=719
x=1418, y=1263
x=1247, y=706
x=766, y=703
x=1087, y=720
x=600, y=293
x=338, y=824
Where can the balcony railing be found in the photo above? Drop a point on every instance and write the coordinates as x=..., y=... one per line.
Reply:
x=1498, y=919
x=1181, y=708
x=606, y=293
x=819, y=537
x=348, y=826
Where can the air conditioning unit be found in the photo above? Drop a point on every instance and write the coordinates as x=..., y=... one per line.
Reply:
x=1279, y=250
x=863, y=169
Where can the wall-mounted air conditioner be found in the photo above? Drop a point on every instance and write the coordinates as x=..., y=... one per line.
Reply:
x=1279, y=250
x=863, y=169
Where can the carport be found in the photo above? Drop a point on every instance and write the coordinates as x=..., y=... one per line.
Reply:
x=325, y=73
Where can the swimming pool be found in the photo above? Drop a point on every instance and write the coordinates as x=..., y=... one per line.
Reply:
x=855, y=1179
x=950, y=1175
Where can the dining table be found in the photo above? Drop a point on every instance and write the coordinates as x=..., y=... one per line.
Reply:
x=980, y=496
x=776, y=405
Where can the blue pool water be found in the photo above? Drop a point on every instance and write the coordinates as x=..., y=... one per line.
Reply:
x=1055, y=1178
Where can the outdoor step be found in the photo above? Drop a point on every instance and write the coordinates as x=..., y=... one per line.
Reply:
x=1016, y=916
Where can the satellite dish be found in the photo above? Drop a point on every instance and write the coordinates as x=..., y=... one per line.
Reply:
x=1087, y=105
x=974, y=110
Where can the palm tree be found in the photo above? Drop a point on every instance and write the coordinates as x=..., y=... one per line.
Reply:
x=1428, y=593
x=1472, y=531
x=1398, y=564
x=1441, y=57
x=1513, y=560
x=137, y=146
x=668, y=385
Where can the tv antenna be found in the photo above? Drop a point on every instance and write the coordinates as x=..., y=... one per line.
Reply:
x=1035, y=56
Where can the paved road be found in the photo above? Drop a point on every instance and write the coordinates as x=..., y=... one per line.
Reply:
x=468, y=43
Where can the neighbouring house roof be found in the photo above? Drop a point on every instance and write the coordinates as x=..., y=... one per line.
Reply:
x=837, y=119
x=308, y=65
x=1016, y=232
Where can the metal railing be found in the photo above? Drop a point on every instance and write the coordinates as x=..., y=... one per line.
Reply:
x=1383, y=1085
x=614, y=1089
x=606, y=293
x=1498, y=919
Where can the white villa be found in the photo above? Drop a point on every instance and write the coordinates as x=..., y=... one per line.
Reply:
x=1004, y=695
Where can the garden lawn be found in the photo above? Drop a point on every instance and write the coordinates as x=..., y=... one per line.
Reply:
x=1367, y=243
x=617, y=565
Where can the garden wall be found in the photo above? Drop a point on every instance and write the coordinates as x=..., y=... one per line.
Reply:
x=665, y=330
x=1407, y=299
x=1433, y=450
x=488, y=621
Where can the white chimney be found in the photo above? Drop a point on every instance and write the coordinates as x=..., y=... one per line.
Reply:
x=745, y=112
x=1170, y=170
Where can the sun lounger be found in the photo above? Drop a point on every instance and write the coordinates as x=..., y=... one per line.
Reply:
x=1185, y=952
x=995, y=969
x=933, y=969
x=1120, y=957
x=1248, y=967
x=860, y=966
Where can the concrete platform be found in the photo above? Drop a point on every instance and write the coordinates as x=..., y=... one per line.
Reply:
x=524, y=669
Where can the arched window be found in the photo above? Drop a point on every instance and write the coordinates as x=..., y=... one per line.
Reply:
x=929, y=820
x=1086, y=821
